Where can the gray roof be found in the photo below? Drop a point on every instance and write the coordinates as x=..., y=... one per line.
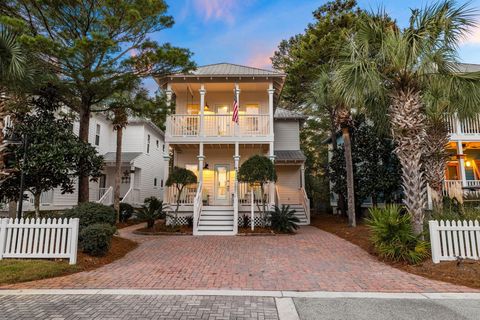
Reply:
x=127, y=157
x=230, y=69
x=281, y=113
x=468, y=67
x=289, y=156
x=153, y=126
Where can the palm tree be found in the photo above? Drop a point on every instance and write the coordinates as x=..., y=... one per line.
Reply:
x=323, y=98
x=401, y=66
x=13, y=67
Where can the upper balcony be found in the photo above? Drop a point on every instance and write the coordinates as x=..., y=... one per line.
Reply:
x=466, y=129
x=217, y=128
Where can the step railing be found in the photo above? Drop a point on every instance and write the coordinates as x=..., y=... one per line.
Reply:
x=197, y=207
x=128, y=197
x=305, y=203
x=107, y=198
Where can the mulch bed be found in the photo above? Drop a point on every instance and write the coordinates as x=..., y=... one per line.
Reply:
x=128, y=223
x=465, y=273
x=258, y=231
x=161, y=229
x=119, y=248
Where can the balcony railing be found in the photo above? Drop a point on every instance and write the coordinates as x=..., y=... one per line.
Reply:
x=467, y=127
x=180, y=125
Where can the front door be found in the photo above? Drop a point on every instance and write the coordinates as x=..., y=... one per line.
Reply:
x=222, y=184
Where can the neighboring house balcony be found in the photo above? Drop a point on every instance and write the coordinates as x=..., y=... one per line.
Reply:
x=182, y=128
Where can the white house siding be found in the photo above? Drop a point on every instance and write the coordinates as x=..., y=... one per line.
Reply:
x=288, y=183
x=287, y=135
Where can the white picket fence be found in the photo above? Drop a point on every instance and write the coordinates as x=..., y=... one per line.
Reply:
x=451, y=240
x=39, y=238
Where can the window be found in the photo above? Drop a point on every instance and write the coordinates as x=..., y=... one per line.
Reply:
x=193, y=168
x=252, y=109
x=193, y=109
x=97, y=135
x=154, y=182
x=163, y=148
x=148, y=143
x=158, y=144
x=161, y=183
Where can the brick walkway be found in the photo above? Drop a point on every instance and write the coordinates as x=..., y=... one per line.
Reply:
x=75, y=307
x=312, y=260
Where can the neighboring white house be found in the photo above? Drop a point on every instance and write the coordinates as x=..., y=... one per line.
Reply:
x=142, y=165
x=203, y=138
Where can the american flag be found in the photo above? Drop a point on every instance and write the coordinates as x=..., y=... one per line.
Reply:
x=235, y=108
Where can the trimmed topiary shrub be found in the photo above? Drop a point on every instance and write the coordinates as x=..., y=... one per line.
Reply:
x=283, y=220
x=126, y=212
x=91, y=213
x=393, y=236
x=95, y=239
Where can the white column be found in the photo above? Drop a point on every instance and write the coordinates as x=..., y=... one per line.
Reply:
x=271, y=190
x=236, y=92
x=461, y=162
x=271, y=91
x=236, y=159
x=202, y=107
x=302, y=177
x=201, y=158
x=166, y=171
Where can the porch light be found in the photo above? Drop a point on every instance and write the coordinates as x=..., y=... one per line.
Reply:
x=205, y=166
x=206, y=108
x=468, y=163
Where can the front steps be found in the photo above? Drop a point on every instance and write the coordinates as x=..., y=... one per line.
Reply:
x=300, y=213
x=216, y=220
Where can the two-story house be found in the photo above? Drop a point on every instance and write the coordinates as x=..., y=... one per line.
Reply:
x=202, y=136
x=142, y=165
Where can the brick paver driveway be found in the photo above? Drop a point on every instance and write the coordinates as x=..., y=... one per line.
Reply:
x=312, y=260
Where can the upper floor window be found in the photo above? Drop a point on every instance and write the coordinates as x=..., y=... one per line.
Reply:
x=163, y=147
x=252, y=109
x=161, y=183
x=158, y=144
x=193, y=109
x=154, y=182
x=97, y=135
x=148, y=143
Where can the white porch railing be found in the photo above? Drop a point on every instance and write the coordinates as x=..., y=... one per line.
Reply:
x=186, y=198
x=107, y=197
x=453, y=188
x=197, y=207
x=454, y=240
x=468, y=126
x=45, y=238
x=306, y=203
x=245, y=192
x=218, y=125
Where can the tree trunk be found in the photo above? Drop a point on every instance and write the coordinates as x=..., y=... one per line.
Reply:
x=333, y=137
x=118, y=173
x=408, y=132
x=350, y=184
x=3, y=114
x=435, y=157
x=36, y=204
x=12, y=209
x=83, y=180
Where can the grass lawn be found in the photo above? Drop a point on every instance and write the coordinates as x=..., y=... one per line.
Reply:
x=13, y=271
x=466, y=273
x=22, y=270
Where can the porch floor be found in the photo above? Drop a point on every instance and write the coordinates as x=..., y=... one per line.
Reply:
x=310, y=260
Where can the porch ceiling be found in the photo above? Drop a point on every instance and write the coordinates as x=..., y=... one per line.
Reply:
x=219, y=146
x=127, y=157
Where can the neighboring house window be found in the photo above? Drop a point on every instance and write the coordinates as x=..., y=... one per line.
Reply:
x=126, y=177
x=163, y=148
x=161, y=183
x=155, y=182
x=158, y=144
x=97, y=135
x=148, y=143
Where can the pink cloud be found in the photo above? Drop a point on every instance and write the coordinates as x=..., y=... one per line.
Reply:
x=217, y=9
x=473, y=37
x=260, y=59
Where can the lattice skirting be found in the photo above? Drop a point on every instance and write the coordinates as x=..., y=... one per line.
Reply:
x=181, y=219
x=258, y=220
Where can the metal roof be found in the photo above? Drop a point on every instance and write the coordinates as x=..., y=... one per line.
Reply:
x=230, y=69
x=468, y=67
x=127, y=157
x=289, y=156
x=281, y=113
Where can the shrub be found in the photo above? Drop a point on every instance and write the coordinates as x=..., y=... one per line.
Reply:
x=92, y=213
x=126, y=212
x=393, y=236
x=283, y=219
x=95, y=239
x=151, y=211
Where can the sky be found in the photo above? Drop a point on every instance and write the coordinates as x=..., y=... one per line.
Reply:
x=248, y=31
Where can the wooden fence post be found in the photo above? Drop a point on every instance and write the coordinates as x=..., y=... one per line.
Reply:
x=434, y=240
x=74, y=243
x=3, y=236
